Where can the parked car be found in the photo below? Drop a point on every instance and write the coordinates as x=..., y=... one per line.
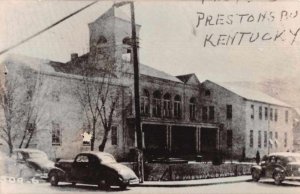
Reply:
x=97, y=168
x=279, y=166
x=36, y=160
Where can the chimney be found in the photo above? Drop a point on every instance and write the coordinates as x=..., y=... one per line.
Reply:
x=74, y=56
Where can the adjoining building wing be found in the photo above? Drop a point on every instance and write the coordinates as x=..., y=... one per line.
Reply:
x=251, y=94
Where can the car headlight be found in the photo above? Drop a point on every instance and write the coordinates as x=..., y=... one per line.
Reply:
x=121, y=178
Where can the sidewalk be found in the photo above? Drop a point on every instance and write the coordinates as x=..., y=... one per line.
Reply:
x=200, y=182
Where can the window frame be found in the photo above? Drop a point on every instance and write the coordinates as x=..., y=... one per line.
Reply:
x=228, y=111
x=114, y=135
x=56, y=134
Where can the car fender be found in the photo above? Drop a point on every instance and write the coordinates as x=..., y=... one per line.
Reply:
x=256, y=167
x=279, y=169
x=61, y=173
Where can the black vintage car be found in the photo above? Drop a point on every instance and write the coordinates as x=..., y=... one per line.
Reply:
x=279, y=166
x=97, y=168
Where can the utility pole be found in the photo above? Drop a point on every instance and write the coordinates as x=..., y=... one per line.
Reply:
x=136, y=91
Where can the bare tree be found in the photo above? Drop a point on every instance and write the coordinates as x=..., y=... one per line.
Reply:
x=8, y=106
x=18, y=100
x=98, y=98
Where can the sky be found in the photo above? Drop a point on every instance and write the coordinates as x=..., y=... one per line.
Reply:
x=171, y=39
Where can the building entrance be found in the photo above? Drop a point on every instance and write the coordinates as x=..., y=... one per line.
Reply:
x=183, y=141
x=208, y=142
x=155, y=138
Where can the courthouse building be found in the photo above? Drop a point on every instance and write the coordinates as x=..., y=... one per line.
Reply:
x=179, y=116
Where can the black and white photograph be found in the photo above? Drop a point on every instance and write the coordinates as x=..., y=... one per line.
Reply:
x=161, y=96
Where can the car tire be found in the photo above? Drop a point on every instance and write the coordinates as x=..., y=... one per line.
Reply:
x=103, y=185
x=123, y=186
x=255, y=175
x=278, y=177
x=53, y=179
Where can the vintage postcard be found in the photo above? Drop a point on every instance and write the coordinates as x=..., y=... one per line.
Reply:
x=149, y=96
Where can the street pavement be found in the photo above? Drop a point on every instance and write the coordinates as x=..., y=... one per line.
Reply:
x=262, y=187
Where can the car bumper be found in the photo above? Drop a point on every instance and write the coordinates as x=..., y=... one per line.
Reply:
x=43, y=176
x=134, y=182
x=292, y=178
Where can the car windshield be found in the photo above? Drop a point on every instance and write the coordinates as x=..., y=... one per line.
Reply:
x=107, y=159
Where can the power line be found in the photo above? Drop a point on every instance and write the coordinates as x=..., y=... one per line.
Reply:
x=47, y=28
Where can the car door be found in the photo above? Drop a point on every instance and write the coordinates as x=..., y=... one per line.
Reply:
x=94, y=169
x=264, y=163
x=270, y=166
x=80, y=168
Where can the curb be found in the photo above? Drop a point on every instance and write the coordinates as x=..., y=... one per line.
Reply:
x=187, y=184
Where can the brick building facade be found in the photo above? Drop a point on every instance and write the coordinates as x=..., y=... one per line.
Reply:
x=180, y=116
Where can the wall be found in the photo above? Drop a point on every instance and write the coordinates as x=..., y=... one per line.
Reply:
x=256, y=124
x=219, y=97
x=191, y=171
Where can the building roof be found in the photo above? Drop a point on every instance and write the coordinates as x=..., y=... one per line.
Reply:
x=251, y=94
x=48, y=66
x=150, y=71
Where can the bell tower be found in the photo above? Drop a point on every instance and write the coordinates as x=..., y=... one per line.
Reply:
x=110, y=40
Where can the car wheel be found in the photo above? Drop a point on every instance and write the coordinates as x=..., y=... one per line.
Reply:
x=103, y=185
x=123, y=186
x=53, y=178
x=278, y=177
x=255, y=175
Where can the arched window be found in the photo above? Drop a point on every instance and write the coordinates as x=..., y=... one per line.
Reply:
x=127, y=41
x=167, y=105
x=177, y=106
x=156, y=104
x=145, y=103
x=193, y=109
x=101, y=40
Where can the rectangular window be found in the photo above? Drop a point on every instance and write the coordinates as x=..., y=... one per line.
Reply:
x=271, y=114
x=192, y=111
x=285, y=139
x=56, y=134
x=276, y=135
x=266, y=113
x=114, y=135
x=156, y=109
x=167, y=108
x=251, y=139
x=265, y=139
x=204, y=113
x=252, y=111
x=229, y=138
x=286, y=116
x=260, y=113
x=229, y=111
x=276, y=115
x=177, y=109
x=145, y=106
x=259, y=139
x=211, y=113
